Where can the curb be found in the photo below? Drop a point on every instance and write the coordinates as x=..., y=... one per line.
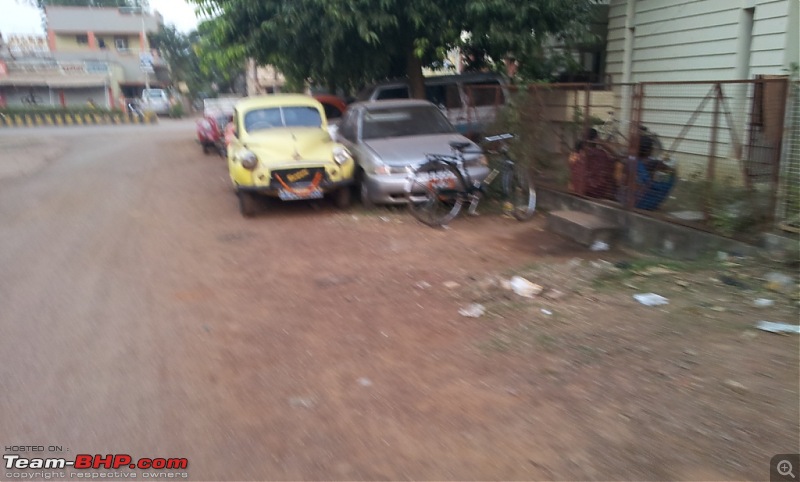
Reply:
x=37, y=119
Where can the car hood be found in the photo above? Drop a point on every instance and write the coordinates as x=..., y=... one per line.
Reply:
x=403, y=151
x=291, y=143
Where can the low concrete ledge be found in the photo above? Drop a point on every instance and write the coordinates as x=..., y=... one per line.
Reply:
x=583, y=227
x=35, y=119
x=647, y=234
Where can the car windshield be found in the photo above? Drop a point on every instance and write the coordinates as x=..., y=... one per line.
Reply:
x=287, y=116
x=414, y=120
x=155, y=94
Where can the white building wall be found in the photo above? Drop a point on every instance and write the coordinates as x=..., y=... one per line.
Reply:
x=681, y=40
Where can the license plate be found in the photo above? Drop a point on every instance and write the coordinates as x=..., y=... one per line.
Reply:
x=440, y=180
x=285, y=195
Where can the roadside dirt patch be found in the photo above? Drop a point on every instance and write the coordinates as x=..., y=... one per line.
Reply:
x=313, y=343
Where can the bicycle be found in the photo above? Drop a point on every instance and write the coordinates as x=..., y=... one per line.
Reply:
x=609, y=133
x=439, y=187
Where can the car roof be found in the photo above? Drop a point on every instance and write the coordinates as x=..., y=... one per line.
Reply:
x=276, y=100
x=391, y=104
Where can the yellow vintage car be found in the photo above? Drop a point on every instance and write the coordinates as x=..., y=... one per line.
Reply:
x=281, y=148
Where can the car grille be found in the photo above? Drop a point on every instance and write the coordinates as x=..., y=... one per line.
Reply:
x=297, y=177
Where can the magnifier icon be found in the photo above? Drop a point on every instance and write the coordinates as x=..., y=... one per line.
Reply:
x=785, y=468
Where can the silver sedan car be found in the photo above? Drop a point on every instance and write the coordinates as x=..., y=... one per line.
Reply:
x=390, y=138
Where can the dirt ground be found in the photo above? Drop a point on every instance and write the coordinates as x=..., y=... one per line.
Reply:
x=380, y=377
x=312, y=343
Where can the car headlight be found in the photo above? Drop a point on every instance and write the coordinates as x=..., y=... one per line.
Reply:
x=381, y=169
x=341, y=155
x=248, y=160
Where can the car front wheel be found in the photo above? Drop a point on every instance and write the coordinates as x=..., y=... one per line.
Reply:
x=341, y=198
x=365, y=195
x=248, y=204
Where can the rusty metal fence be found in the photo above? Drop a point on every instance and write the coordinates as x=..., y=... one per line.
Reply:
x=719, y=156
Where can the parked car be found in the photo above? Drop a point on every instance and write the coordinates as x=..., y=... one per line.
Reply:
x=334, y=110
x=470, y=101
x=390, y=138
x=217, y=113
x=156, y=100
x=281, y=148
x=334, y=107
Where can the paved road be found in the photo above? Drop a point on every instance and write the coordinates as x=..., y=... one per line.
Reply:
x=141, y=314
x=83, y=345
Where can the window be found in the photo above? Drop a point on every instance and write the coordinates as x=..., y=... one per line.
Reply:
x=485, y=93
x=82, y=39
x=300, y=116
x=331, y=112
x=444, y=95
x=404, y=121
x=393, y=93
x=101, y=42
x=347, y=128
x=121, y=43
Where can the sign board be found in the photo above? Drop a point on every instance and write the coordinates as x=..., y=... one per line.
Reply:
x=146, y=62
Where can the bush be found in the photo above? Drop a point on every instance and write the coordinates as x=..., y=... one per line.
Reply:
x=176, y=110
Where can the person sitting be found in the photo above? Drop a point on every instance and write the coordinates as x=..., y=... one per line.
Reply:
x=600, y=182
x=653, y=178
x=577, y=170
x=592, y=169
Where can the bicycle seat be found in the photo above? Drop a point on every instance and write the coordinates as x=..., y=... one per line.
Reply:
x=459, y=146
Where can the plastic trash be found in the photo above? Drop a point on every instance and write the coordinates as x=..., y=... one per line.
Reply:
x=763, y=303
x=650, y=299
x=474, y=310
x=547, y=312
x=778, y=327
x=599, y=246
x=525, y=288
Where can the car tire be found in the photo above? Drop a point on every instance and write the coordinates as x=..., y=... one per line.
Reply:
x=248, y=204
x=365, y=195
x=341, y=198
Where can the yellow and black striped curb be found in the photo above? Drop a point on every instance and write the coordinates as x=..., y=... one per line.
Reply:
x=36, y=119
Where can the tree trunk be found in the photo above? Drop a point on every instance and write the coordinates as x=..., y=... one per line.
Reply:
x=416, y=82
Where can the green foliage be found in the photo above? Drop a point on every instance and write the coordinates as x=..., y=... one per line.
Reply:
x=176, y=111
x=346, y=43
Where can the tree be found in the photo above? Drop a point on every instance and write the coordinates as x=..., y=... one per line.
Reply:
x=348, y=42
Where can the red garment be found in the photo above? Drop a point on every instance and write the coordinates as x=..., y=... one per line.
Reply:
x=577, y=171
x=600, y=165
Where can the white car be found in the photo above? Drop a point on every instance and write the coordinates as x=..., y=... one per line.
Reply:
x=156, y=100
x=390, y=138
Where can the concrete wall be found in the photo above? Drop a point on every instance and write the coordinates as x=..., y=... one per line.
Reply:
x=648, y=234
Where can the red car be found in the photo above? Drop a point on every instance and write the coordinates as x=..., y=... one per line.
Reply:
x=217, y=113
x=334, y=107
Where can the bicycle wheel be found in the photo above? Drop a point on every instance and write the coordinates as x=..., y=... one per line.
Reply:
x=519, y=191
x=435, y=194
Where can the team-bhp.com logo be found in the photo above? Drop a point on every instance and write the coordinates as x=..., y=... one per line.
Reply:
x=97, y=461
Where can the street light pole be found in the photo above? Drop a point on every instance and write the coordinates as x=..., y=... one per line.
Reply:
x=145, y=49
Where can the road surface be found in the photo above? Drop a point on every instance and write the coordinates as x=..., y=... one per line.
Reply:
x=140, y=314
